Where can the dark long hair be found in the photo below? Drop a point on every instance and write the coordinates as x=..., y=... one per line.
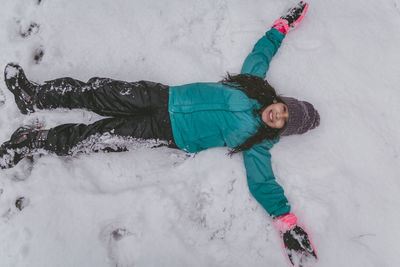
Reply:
x=259, y=89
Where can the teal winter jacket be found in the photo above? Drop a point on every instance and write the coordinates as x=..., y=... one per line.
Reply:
x=205, y=115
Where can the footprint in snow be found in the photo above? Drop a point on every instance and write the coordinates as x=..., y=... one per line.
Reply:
x=19, y=204
x=38, y=54
x=33, y=28
x=121, y=243
x=26, y=28
x=2, y=98
x=120, y=233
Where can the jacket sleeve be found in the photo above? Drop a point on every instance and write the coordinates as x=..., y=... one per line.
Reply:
x=257, y=62
x=261, y=180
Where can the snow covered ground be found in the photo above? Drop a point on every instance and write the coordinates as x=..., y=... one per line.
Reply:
x=162, y=207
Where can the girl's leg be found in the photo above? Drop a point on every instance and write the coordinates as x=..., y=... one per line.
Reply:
x=102, y=95
x=102, y=135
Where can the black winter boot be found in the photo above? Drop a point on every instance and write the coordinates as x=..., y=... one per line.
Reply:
x=295, y=14
x=24, y=90
x=24, y=141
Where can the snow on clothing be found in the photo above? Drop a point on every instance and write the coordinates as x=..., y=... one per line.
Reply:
x=205, y=115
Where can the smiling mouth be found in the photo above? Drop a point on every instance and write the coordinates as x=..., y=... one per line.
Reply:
x=270, y=115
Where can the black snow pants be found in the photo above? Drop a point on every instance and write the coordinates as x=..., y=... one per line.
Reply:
x=136, y=109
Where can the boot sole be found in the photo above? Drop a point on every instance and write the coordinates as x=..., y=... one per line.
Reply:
x=21, y=97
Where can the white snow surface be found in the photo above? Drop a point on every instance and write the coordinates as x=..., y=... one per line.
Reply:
x=162, y=207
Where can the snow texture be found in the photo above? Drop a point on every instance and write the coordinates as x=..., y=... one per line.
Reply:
x=162, y=207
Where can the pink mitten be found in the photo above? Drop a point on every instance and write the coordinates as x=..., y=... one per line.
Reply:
x=297, y=245
x=292, y=17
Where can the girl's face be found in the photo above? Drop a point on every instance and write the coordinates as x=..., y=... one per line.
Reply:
x=275, y=115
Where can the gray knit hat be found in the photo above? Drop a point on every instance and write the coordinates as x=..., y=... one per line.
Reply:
x=302, y=117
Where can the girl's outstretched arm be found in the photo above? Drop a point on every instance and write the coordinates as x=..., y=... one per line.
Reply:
x=261, y=180
x=257, y=62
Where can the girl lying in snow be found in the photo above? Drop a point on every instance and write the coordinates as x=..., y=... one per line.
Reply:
x=242, y=112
